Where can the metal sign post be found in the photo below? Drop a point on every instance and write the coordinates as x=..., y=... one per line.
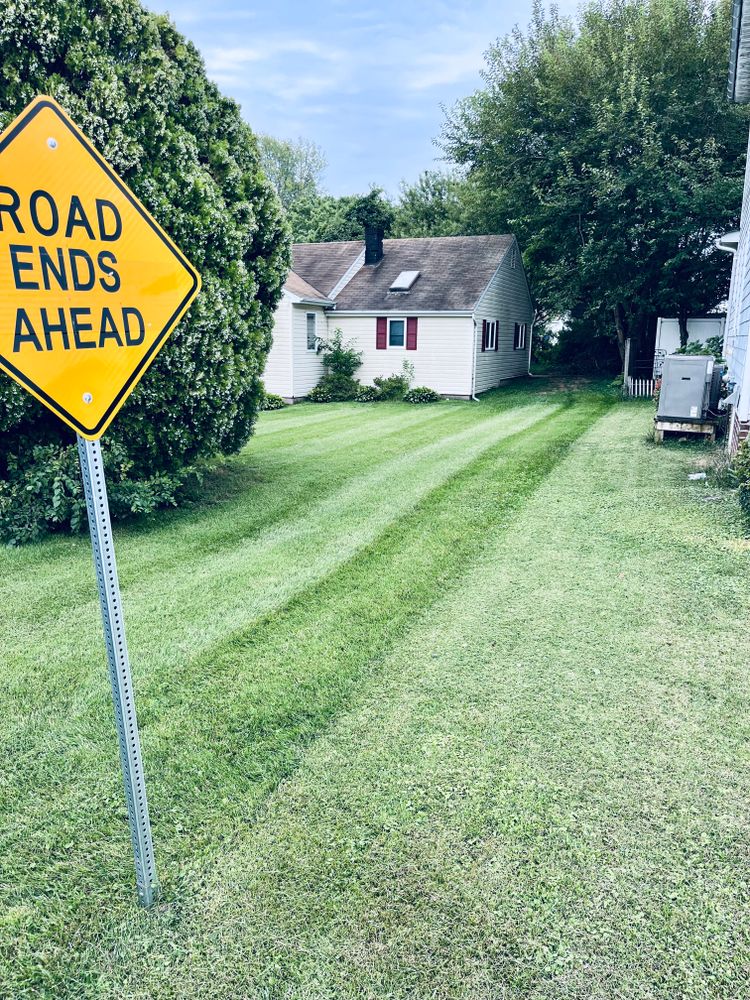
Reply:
x=97, y=505
x=91, y=288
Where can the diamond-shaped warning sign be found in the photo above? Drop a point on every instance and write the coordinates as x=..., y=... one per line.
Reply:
x=90, y=285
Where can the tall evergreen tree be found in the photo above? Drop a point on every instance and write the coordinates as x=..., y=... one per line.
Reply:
x=139, y=90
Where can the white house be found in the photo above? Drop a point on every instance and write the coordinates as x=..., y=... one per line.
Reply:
x=738, y=243
x=457, y=307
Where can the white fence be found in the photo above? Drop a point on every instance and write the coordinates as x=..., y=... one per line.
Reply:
x=640, y=388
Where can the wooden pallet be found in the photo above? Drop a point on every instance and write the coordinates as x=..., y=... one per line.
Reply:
x=703, y=428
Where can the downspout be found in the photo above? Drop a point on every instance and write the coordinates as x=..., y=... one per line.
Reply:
x=474, y=358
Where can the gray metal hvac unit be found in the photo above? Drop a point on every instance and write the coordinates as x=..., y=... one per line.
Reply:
x=690, y=386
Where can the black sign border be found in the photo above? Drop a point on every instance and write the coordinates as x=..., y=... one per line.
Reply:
x=21, y=124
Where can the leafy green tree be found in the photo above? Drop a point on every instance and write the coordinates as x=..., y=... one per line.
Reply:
x=294, y=168
x=325, y=219
x=610, y=149
x=139, y=90
x=435, y=205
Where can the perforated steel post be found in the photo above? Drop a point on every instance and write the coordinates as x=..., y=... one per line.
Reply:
x=100, y=527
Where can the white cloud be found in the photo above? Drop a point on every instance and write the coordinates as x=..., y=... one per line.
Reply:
x=438, y=69
x=240, y=64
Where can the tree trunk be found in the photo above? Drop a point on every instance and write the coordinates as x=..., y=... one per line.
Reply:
x=620, y=328
x=682, y=319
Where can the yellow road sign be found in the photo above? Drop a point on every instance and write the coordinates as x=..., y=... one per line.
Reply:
x=90, y=285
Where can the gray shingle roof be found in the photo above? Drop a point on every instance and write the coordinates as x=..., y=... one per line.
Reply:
x=323, y=264
x=453, y=272
x=298, y=286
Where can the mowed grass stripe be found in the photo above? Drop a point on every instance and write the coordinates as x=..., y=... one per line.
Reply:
x=507, y=813
x=243, y=580
x=247, y=710
x=262, y=578
x=259, y=493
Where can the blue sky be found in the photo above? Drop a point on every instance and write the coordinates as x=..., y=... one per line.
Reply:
x=364, y=81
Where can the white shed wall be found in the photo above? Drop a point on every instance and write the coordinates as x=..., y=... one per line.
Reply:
x=506, y=299
x=442, y=360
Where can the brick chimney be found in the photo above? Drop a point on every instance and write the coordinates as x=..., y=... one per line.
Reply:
x=373, y=244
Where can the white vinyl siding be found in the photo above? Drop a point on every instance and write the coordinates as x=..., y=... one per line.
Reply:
x=506, y=300
x=442, y=360
x=738, y=313
x=277, y=376
x=307, y=364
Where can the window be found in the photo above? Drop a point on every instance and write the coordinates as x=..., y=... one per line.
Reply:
x=312, y=332
x=491, y=339
x=519, y=336
x=490, y=334
x=404, y=281
x=396, y=332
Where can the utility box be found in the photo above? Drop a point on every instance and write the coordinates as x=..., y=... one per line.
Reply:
x=690, y=387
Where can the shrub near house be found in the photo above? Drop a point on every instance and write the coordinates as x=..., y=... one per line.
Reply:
x=340, y=362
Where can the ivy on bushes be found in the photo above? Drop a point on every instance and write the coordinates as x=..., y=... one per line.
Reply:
x=139, y=90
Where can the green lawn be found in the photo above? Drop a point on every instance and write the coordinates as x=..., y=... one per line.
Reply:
x=445, y=702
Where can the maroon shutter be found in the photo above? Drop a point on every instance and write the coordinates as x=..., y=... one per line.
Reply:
x=497, y=334
x=381, y=333
x=484, y=334
x=411, y=333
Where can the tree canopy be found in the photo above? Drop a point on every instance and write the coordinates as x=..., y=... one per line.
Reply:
x=138, y=89
x=294, y=168
x=322, y=218
x=608, y=147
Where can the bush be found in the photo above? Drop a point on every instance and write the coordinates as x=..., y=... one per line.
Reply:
x=340, y=362
x=713, y=345
x=271, y=401
x=395, y=386
x=46, y=492
x=139, y=90
x=392, y=387
x=367, y=394
x=339, y=358
x=334, y=388
x=421, y=394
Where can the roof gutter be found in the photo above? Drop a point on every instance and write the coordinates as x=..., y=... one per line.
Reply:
x=403, y=312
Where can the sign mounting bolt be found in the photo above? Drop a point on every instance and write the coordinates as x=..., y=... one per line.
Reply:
x=52, y=143
x=88, y=398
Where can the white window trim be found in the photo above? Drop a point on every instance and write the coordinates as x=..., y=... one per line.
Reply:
x=388, y=344
x=307, y=339
x=523, y=330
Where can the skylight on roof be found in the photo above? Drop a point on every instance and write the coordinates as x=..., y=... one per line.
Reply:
x=404, y=281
